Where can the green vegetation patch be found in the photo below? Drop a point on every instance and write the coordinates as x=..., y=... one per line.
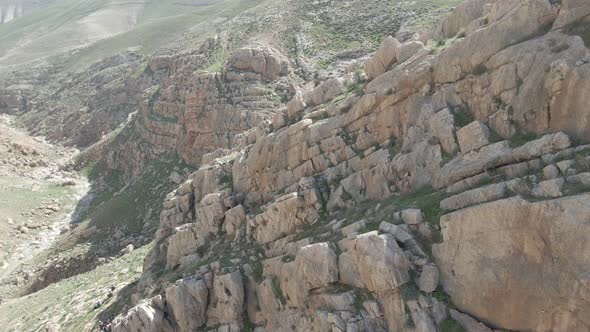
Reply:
x=450, y=325
x=276, y=288
x=361, y=296
x=462, y=117
x=522, y=139
x=128, y=206
x=426, y=199
x=70, y=302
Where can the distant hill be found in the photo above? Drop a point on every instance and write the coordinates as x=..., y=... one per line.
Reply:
x=38, y=29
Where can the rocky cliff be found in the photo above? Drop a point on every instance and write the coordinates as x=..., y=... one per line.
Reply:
x=439, y=183
x=444, y=186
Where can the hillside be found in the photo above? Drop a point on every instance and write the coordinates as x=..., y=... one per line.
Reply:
x=97, y=29
x=301, y=166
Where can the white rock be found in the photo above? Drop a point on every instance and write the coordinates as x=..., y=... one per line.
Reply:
x=412, y=216
x=473, y=136
x=428, y=278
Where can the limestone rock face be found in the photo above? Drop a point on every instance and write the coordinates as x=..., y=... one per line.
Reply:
x=183, y=242
x=234, y=219
x=210, y=213
x=187, y=301
x=468, y=323
x=374, y=262
x=383, y=59
x=227, y=302
x=473, y=136
x=571, y=11
x=428, y=278
x=515, y=253
x=266, y=216
x=324, y=92
x=461, y=17
x=283, y=217
x=146, y=316
x=295, y=108
x=442, y=126
x=264, y=61
x=317, y=265
x=510, y=22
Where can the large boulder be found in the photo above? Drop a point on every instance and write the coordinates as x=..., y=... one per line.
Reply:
x=442, y=127
x=316, y=265
x=473, y=136
x=323, y=93
x=374, y=262
x=185, y=241
x=520, y=265
x=511, y=22
x=383, y=58
x=146, y=316
x=263, y=60
x=187, y=302
x=459, y=18
x=283, y=216
x=227, y=300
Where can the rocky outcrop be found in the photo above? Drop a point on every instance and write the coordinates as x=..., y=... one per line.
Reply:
x=529, y=256
x=147, y=316
x=195, y=114
x=265, y=61
x=383, y=58
x=388, y=271
x=12, y=102
x=572, y=11
x=277, y=210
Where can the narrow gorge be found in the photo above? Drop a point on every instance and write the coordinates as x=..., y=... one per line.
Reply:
x=303, y=166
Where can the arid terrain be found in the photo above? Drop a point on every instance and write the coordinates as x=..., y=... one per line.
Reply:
x=295, y=165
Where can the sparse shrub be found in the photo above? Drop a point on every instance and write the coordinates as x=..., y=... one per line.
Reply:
x=393, y=149
x=462, y=117
x=248, y=325
x=450, y=325
x=276, y=287
x=287, y=258
x=409, y=291
x=522, y=139
x=258, y=271
x=479, y=69
x=227, y=181
x=441, y=295
x=346, y=196
x=348, y=139
x=355, y=87
x=360, y=297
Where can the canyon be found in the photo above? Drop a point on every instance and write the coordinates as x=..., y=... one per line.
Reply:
x=313, y=166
